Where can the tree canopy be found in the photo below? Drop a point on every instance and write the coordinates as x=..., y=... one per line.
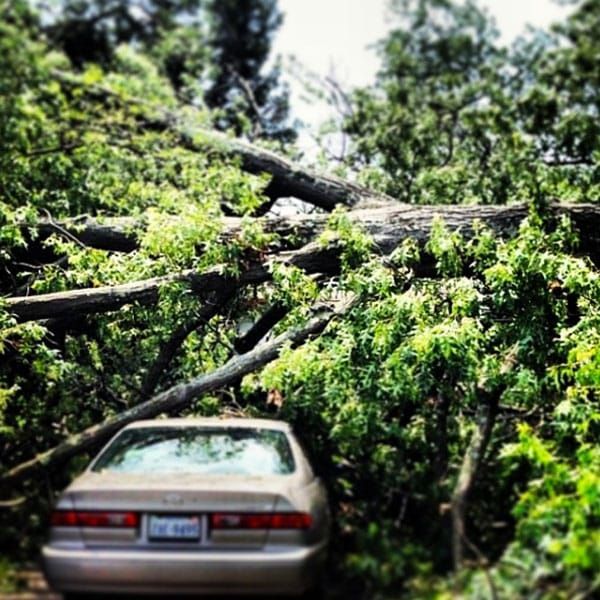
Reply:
x=429, y=325
x=213, y=52
x=457, y=118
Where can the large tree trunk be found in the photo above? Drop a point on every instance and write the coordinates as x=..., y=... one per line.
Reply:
x=388, y=226
x=287, y=178
x=175, y=398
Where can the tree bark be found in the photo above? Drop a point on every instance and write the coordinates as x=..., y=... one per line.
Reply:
x=261, y=327
x=472, y=459
x=120, y=234
x=175, y=398
x=388, y=226
x=288, y=179
x=116, y=234
x=312, y=258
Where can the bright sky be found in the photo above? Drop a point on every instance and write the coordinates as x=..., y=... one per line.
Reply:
x=333, y=37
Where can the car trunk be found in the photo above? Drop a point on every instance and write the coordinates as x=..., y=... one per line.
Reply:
x=177, y=511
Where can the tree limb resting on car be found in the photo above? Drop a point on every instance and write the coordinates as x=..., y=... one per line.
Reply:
x=177, y=397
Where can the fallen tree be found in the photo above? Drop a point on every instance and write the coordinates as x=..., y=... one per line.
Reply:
x=176, y=397
x=388, y=226
x=389, y=394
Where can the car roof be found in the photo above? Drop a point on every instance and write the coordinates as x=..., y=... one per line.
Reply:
x=212, y=422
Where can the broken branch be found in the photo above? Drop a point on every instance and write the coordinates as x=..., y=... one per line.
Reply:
x=175, y=398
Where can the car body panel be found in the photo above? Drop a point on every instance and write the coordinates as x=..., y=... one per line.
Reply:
x=284, y=570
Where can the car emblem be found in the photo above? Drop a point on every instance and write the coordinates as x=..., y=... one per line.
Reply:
x=173, y=499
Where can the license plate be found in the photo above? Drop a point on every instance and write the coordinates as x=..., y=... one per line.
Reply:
x=174, y=528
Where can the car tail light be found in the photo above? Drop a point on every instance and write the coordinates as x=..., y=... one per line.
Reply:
x=291, y=521
x=260, y=521
x=72, y=518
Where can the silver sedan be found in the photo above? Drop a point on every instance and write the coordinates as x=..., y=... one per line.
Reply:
x=176, y=506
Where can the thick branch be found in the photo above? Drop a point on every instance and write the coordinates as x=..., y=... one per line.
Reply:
x=311, y=258
x=175, y=398
x=169, y=349
x=287, y=178
x=265, y=323
x=117, y=234
x=471, y=463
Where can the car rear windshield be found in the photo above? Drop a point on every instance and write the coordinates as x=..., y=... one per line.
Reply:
x=217, y=451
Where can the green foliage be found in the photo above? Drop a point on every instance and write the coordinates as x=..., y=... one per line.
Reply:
x=7, y=576
x=385, y=399
x=90, y=32
x=67, y=152
x=209, y=52
x=385, y=394
x=355, y=246
x=444, y=246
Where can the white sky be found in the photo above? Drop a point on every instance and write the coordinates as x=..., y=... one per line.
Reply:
x=333, y=37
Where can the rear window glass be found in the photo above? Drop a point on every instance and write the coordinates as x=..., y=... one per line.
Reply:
x=218, y=451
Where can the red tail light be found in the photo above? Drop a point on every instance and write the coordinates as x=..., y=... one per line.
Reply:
x=291, y=521
x=260, y=521
x=72, y=518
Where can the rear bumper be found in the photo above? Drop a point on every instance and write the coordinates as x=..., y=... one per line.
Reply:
x=269, y=571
